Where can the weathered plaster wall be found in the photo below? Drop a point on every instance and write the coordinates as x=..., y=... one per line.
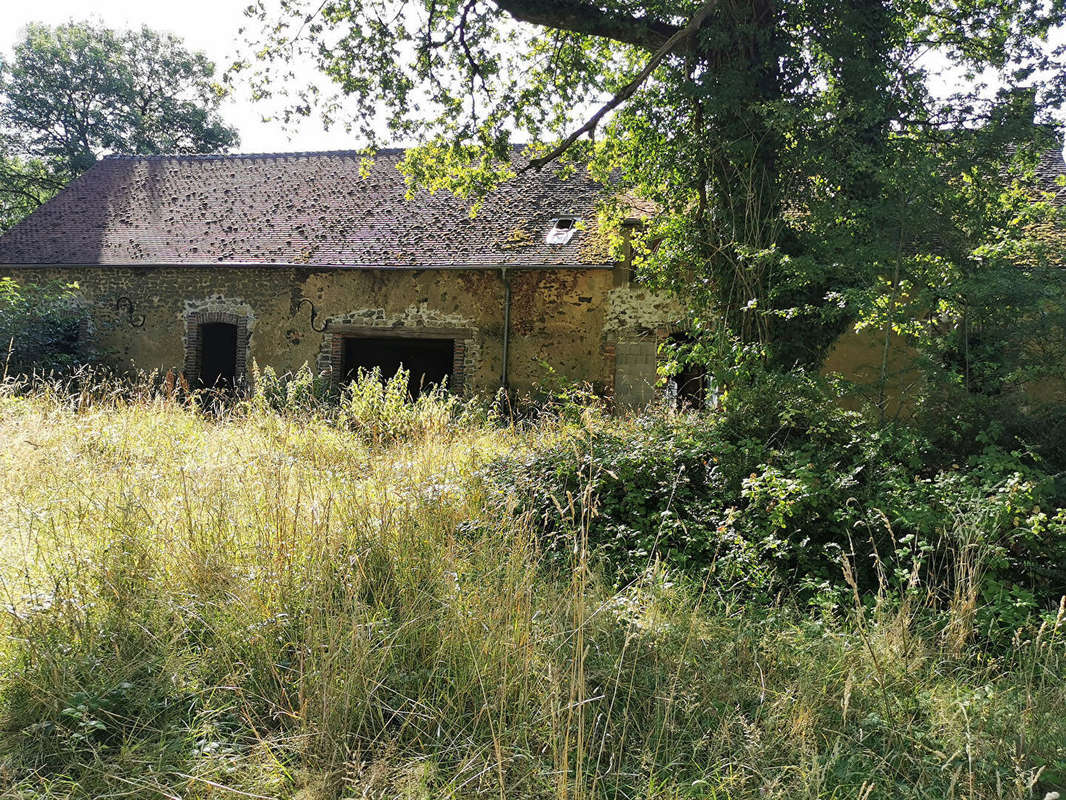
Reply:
x=569, y=324
x=635, y=310
x=883, y=371
x=565, y=318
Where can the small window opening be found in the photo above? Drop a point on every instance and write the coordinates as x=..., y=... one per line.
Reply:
x=562, y=230
x=428, y=361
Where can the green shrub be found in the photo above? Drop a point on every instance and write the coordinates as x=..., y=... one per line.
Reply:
x=771, y=492
x=382, y=411
x=40, y=328
x=298, y=392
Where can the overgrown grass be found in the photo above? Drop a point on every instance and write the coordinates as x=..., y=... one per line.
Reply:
x=279, y=604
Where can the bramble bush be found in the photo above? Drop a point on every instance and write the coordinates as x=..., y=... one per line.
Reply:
x=771, y=492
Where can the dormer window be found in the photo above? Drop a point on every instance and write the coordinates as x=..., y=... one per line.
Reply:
x=562, y=230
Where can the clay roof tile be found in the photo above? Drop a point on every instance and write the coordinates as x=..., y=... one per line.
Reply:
x=266, y=208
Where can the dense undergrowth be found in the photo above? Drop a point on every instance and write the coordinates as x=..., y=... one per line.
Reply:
x=771, y=493
x=287, y=598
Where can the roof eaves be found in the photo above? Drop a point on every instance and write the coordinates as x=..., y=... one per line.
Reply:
x=305, y=265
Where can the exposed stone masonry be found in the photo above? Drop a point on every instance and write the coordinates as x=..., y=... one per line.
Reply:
x=559, y=318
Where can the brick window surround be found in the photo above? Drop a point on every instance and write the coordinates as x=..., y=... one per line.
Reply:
x=194, y=346
x=337, y=334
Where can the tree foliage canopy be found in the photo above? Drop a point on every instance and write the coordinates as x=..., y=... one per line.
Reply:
x=807, y=170
x=73, y=92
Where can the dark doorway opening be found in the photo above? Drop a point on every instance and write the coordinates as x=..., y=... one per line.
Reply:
x=691, y=387
x=688, y=388
x=429, y=361
x=218, y=355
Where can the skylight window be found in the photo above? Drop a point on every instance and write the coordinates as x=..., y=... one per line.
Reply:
x=562, y=230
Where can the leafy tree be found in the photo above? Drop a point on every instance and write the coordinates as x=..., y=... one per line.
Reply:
x=70, y=93
x=806, y=174
x=24, y=185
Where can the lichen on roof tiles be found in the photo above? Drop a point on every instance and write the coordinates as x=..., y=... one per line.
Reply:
x=297, y=208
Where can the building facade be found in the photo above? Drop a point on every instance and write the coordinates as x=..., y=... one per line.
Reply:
x=205, y=264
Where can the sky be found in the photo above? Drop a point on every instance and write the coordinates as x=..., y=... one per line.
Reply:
x=210, y=26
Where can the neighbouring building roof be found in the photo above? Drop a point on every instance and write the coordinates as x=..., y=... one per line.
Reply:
x=1048, y=171
x=305, y=209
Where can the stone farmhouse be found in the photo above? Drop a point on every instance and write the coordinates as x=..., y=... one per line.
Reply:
x=204, y=263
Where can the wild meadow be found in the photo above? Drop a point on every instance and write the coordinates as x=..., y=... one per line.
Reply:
x=284, y=598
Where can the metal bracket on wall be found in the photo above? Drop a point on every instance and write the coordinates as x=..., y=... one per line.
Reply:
x=135, y=320
x=314, y=314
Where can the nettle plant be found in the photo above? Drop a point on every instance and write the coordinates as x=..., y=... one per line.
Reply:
x=795, y=152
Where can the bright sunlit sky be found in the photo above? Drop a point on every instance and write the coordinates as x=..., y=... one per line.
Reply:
x=210, y=26
x=207, y=25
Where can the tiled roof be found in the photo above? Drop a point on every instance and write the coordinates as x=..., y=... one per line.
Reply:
x=313, y=209
x=1048, y=170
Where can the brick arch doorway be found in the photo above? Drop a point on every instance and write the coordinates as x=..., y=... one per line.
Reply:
x=216, y=350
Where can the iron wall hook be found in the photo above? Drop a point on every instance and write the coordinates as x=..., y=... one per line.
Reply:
x=135, y=320
x=314, y=314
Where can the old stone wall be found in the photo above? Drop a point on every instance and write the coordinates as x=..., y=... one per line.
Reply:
x=564, y=322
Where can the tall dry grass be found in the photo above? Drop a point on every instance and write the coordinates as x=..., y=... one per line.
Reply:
x=262, y=604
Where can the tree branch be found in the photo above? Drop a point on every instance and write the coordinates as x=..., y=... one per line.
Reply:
x=629, y=89
x=475, y=70
x=582, y=17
